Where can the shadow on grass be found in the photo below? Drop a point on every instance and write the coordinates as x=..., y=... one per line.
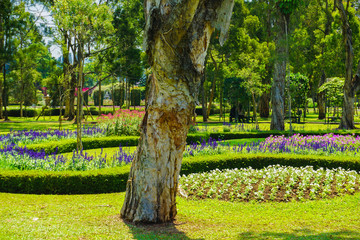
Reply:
x=301, y=234
x=157, y=231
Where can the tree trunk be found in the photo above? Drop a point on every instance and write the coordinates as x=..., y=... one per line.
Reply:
x=212, y=86
x=320, y=98
x=264, y=107
x=254, y=110
x=277, y=97
x=79, y=145
x=73, y=83
x=177, y=37
x=351, y=84
x=99, y=97
x=5, y=98
x=327, y=30
x=203, y=97
x=278, y=86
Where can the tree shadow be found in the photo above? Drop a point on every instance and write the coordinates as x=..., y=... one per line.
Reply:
x=157, y=231
x=300, y=234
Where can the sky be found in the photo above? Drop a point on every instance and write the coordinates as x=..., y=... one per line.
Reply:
x=43, y=17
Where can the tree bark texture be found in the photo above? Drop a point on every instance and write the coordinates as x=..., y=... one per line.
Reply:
x=320, y=98
x=278, y=85
x=327, y=30
x=264, y=107
x=351, y=84
x=177, y=36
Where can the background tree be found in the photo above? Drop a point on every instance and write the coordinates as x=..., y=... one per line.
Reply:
x=299, y=90
x=352, y=83
x=333, y=91
x=285, y=8
x=89, y=23
x=177, y=35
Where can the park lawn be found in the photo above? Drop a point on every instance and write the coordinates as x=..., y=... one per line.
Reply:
x=17, y=123
x=97, y=217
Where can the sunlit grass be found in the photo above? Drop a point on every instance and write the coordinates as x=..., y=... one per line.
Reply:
x=97, y=217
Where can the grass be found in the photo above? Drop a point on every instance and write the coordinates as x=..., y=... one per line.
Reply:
x=97, y=217
x=17, y=123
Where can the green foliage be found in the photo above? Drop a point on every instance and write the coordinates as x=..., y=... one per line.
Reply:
x=67, y=182
x=96, y=97
x=135, y=97
x=333, y=89
x=114, y=179
x=26, y=113
x=88, y=143
x=118, y=97
x=299, y=89
x=286, y=7
x=102, y=142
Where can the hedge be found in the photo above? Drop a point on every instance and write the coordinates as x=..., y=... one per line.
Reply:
x=101, y=142
x=88, y=143
x=114, y=179
x=67, y=182
x=26, y=112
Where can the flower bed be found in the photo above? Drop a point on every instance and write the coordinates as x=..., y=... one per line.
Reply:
x=123, y=122
x=274, y=183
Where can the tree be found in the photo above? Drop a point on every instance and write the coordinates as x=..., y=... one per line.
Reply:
x=352, y=83
x=333, y=91
x=299, y=89
x=177, y=35
x=89, y=23
x=285, y=8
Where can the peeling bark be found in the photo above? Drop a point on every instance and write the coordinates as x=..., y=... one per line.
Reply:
x=177, y=36
x=320, y=98
x=278, y=85
x=351, y=83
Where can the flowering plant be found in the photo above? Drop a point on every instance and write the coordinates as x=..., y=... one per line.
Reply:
x=122, y=122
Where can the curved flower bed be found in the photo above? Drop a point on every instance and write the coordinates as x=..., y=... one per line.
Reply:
x=274, y=183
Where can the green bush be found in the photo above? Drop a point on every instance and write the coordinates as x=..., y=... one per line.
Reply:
x=101, y=142
x=118, y=96
x=54, y=112
x=96, y=97
x=135, y=97
x=114, y=179
x=88, y=143
x=26, y=112
x=46, y=182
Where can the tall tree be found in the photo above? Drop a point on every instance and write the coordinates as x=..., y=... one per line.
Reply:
x=352, y=83
x=89, y=23
x=177, y=35
x=285, y=8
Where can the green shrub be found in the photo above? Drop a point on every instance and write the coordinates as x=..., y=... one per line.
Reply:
x=26, y=112
x=46, y=182
x=96, y=97
x=101, y=142
x=88, y=143
x=135, y=96
x=118, y=96
x=54, y=112
x=114, y=179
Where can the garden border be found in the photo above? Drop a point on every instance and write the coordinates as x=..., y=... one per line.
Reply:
x=114, y=179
